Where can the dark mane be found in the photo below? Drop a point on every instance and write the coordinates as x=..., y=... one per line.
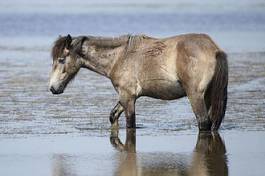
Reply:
x=58, y=47
x=61, y=43
x=109, y=41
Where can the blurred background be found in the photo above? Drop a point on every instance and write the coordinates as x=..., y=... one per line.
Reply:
x=235, y=25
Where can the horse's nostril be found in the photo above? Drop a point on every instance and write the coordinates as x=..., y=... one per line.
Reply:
x=52, y=89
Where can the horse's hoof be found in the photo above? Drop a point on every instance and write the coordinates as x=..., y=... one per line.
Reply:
x=205, y=125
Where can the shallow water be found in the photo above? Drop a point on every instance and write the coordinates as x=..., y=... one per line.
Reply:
x=232, y=153
x=69, y=134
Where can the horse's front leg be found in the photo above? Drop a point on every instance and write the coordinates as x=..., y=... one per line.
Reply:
x=115, y=114
x=128, y=103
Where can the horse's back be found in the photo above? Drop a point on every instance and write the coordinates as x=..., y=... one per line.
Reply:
x=184, y=60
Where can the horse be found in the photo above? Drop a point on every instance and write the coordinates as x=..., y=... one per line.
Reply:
x=169, y=68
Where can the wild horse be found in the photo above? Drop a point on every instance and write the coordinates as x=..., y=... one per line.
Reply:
x=189, y=65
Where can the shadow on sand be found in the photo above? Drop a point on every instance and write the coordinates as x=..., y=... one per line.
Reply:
x=207, y=159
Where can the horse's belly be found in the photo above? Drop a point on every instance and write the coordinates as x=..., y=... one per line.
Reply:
x=164, y=89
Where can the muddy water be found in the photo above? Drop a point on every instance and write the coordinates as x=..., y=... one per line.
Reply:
x=69, y=134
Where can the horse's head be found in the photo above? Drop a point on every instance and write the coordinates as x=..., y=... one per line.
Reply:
x=66, y=64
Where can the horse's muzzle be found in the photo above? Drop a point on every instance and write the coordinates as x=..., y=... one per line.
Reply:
x=54, y=91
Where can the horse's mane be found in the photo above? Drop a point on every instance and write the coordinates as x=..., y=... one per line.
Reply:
x=109, y=41
x=131, y=41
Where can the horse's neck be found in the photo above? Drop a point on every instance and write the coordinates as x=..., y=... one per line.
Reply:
x=102, y=60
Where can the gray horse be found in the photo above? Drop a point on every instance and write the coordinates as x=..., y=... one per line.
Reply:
x=189, y=65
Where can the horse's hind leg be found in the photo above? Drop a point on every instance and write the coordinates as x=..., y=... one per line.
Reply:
x=115, y=114
x=200, y=110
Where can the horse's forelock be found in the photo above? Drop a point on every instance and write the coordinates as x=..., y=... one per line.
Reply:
x=58, y=47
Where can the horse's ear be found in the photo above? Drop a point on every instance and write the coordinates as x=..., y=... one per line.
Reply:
x=68, y=41
x=78, y=47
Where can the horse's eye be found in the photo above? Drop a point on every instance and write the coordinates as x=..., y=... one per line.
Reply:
x=61, y=60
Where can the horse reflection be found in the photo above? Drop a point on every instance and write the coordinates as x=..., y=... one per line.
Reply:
x=61, y=165
x=208, y=158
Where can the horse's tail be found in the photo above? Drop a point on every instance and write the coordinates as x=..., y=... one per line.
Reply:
x=219, y=90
